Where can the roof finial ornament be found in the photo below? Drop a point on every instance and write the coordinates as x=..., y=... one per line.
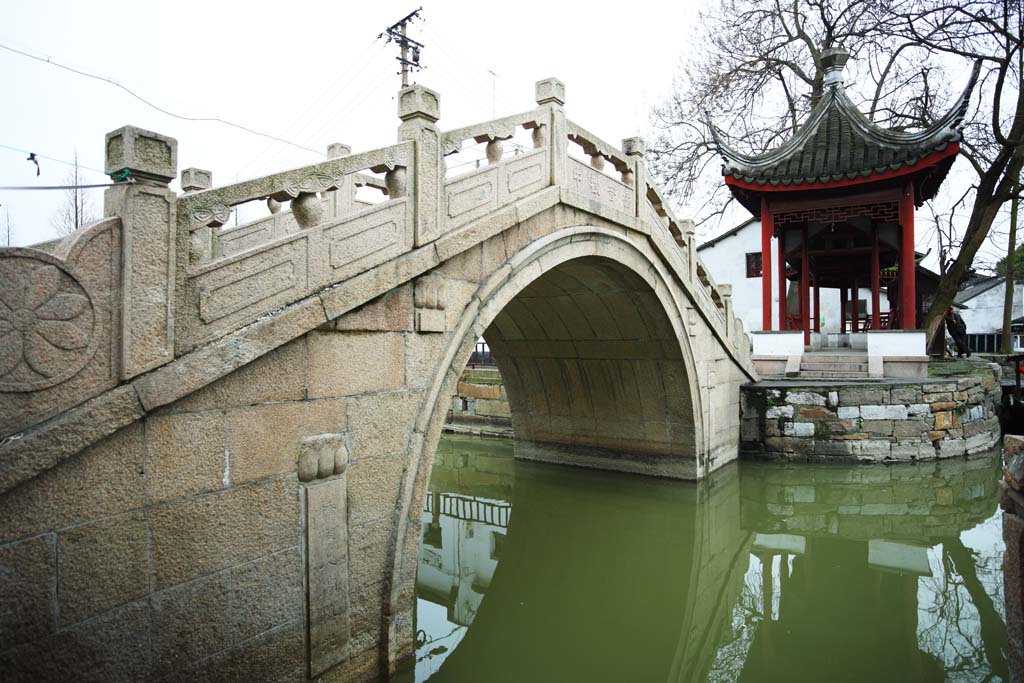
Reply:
x=833, y=61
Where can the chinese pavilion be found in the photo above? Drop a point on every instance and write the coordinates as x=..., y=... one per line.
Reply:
x=839, y=196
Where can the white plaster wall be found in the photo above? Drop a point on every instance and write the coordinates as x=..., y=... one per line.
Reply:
x=984, y=313
x=727, y=263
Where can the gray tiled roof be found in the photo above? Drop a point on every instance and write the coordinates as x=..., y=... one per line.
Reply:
x=838, y=142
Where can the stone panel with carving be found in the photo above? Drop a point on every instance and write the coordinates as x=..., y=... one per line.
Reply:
x=595, y=187
x=57, y=324
x=225, y=295
x=367, y=239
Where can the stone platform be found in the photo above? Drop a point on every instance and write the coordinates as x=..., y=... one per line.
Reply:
x=871, y=421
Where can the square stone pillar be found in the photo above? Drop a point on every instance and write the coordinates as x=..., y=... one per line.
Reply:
x=419, y=109
x=635, y=149
x=143, y=163
x=550, y=93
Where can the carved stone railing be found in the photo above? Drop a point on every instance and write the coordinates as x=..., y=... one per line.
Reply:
x=591, y=184
x=502, y=181
x=163, y=274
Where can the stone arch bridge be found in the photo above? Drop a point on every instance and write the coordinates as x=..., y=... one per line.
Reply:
x=216, y=440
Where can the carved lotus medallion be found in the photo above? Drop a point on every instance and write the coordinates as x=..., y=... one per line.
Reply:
x=47, y=324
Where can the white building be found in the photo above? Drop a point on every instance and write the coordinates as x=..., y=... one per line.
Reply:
x=734, y=257
x=983, y=303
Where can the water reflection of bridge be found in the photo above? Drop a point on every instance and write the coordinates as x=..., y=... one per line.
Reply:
x=760, y=573
x=469, y=508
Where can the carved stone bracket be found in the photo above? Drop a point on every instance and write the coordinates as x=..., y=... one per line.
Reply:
x=429, y=296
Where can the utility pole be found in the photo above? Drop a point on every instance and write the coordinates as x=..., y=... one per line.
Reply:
x=397, y=33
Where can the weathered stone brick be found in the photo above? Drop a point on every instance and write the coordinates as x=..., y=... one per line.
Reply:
x=879, y=427
x=192, y=621
x=915, y=409
x=267, y=593
x=217, y=530
x=381, y=423
x=105, y=479
x=101, y=565
x=814, y=413
x=949, y=448
x=185, y=455
x=943, y=405
x=910, y=428
x=373, y=485
x=805, y=398
x=349, y=363
x=369, y=559
x=855, y=396
x=775, y=412
x=849, y=412
x=893, y=412
x=938, y=397
x=27, y=590
x=944, y=420
x=800, y=429
x=905, y=394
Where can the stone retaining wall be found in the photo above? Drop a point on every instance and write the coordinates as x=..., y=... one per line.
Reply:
x=875, y=422
x=479, y=408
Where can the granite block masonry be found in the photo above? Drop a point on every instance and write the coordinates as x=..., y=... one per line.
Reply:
x=880, y=422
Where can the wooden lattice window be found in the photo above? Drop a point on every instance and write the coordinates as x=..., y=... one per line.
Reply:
x=754, y=264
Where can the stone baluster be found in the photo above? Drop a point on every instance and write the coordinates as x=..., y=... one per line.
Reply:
x=689, y=235
x=495, y=151
x=154, y=257
x=550, y=93
x=200, y=245
x=597, y=161
x=725, y=291
x=419, y=109
x=340, y=201
x=636, y=175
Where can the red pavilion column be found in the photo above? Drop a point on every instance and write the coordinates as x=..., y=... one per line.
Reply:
x=876, y=316
x=805, y=290
x=767, y=228
x=908, y=294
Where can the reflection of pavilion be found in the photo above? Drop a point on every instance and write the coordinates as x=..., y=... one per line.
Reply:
x=841, y=561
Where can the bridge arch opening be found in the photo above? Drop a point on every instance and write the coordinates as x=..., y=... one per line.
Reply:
x=589, y=333
x=594, y=372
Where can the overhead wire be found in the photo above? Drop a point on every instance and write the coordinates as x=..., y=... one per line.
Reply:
x=337, y=87
x=59, y=161
x=110, y=81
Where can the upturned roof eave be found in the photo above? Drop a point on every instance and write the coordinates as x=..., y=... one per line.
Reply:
x=935, y=137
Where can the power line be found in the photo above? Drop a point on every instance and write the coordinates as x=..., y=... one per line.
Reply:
x=59, y=161
x=61, y=187
x=102, y=79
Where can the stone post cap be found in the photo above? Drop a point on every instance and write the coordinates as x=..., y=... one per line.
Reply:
x=725, y=290
x=337, y=149
x=688, y=227
x=550, y=90
x=196, y=179
x=139, y=153
x=634, y=147
x=419, y=102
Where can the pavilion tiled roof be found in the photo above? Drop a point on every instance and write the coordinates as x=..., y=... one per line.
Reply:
x=837, y=142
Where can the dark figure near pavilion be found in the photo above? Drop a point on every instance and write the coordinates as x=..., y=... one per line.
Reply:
x=958, y=330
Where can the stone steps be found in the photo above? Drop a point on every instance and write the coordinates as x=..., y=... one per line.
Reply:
x=837, y=366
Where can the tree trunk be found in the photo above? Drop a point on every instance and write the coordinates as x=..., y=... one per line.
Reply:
x=1011, y=277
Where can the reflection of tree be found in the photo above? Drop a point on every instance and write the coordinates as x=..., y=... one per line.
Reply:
x=959, y=621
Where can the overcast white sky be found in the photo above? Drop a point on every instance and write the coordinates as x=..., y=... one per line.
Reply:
x=312, y=73
x=309, y=72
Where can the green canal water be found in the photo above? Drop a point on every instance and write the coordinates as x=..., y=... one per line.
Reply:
x=763, y=572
